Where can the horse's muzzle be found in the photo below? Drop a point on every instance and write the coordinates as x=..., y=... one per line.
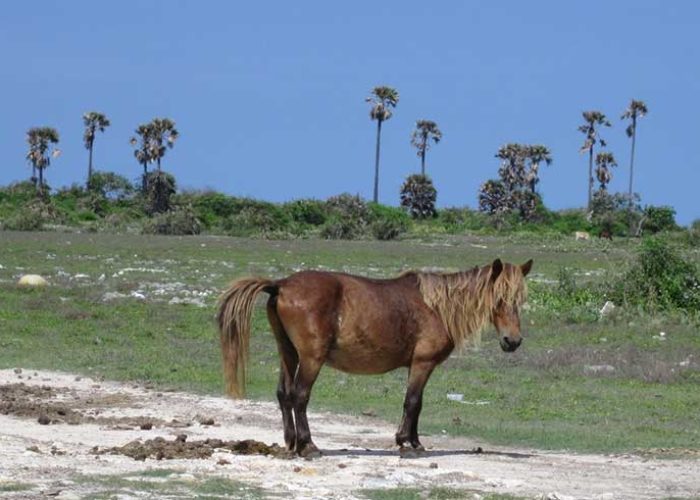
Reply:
x=510, y=345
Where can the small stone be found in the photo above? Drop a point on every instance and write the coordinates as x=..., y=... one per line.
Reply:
x=181, y=438
x=146, y=426
x=18, y=371
x=223, y=461
x=433, y=465
x=43, y=419
x=342, y=466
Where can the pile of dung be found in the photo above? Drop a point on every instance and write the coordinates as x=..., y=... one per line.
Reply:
x=161, y=449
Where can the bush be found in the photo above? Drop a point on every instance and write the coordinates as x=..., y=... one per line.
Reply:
x=24, y=220
x=339, y=228
x=694, y=233
x=306, y=211
x=181, y=221
x=611, y=212
x=160, y=187
x=111, y=186
x=387, y=223
x=418, y=196
x=348, y=217
x=32, y=216
x=660, y=279
x=256, y=218
x=662, y=218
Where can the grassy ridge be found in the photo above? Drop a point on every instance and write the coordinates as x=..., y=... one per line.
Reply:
x=552, y=393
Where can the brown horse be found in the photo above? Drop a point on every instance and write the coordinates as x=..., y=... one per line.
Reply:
x=368, y=326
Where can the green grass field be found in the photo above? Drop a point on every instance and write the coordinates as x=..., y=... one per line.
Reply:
x=577, y=383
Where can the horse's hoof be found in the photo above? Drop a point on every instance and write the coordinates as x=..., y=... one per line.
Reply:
x=309, y=452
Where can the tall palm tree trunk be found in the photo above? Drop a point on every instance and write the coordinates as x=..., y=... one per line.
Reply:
x=629, y=193
x=89, y=179
x=144, y=180
x=41, y=177
x=422, y=156
x=376, y=163
x=590, y=176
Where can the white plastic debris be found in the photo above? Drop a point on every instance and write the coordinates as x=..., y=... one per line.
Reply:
x=607, y=308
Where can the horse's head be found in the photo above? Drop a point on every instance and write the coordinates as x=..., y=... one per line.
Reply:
x=508, y=297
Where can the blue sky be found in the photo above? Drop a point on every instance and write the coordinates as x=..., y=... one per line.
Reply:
x=269, y=96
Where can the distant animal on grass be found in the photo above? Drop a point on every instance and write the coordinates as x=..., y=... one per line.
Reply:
x=367, y=326
x=605, y=234
x=582, y=235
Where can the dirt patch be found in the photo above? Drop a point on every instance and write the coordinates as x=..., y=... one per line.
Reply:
x=161, y=449
x=39, y=402
x=31, y=401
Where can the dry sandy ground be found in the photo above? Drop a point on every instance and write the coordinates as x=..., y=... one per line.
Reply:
x=59, y=461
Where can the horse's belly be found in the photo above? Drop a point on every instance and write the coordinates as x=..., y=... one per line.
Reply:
x=367, y=359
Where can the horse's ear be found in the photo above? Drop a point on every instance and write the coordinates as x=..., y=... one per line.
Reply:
x=496, y=269
x=525, y=268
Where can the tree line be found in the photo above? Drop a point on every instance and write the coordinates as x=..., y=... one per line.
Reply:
x=515, y=190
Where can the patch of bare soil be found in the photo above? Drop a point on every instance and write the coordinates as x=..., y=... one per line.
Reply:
x=103, y=435
x=41, y=403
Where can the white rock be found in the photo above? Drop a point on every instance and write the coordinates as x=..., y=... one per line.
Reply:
x=32, y=280
x=598, y=369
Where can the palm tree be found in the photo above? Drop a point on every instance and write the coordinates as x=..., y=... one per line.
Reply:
x=594, y=120
x=142, y=150
x=163, y=136
x=40, y=140
x=537, y=154
x=512, y=170
x=636, y=109
x=425, y=130
x=93, y=122
x=604, y=162
x=383, y=99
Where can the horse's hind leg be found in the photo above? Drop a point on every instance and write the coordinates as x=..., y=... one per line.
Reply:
x=289, y=360
x=417, y=378
x=307, y=373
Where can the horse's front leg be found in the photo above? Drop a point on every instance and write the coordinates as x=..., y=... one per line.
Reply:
x=417, y=378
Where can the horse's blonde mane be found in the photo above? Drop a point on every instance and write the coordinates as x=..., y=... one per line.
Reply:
x=465, y=300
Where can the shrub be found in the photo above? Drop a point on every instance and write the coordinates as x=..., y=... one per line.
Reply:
x=111, y=186
x=32, y=216
x=348, y=206
x=418, y=196
x=181, y=221
x=160, y=187
x=255, y=218
x=18, y=192
x=24, y=220
x=611, y=212
x=387, y=223
x=662, y=218
x=307, y=211
x=348, y=217
x=660, y=278
x=694, y=232
x=339, y=228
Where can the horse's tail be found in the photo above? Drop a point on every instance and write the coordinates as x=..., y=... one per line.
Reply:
x=234, y=312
